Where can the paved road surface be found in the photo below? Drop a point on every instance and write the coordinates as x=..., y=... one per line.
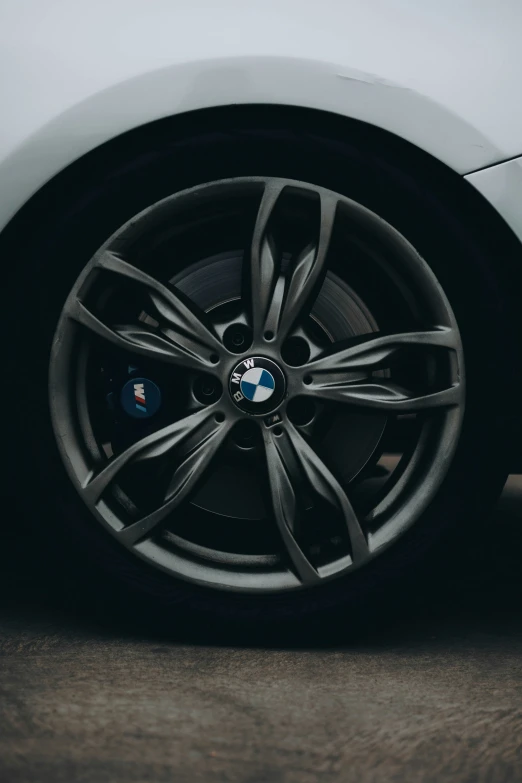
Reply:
x=428, y=702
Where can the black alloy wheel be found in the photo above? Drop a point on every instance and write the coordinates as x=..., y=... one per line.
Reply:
x=257, y=385
x=263, y=374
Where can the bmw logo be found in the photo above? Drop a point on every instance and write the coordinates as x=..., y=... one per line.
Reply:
x=257, y=385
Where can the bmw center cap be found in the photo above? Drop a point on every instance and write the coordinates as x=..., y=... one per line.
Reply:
x=140, y=398
x=257, y=385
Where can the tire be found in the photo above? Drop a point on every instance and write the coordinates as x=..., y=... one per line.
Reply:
x=415, y=206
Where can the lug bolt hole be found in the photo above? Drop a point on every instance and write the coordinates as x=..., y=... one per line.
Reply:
x=307, y=380
x=269, y=335
x=246, y=434
x=301, y=411
x=214, y=358
x=278, y=431
x=237, y=338
x=207, y=390
x=295, y=351
x=219, y=417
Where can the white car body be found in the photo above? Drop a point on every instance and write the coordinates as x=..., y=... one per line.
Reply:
x=444, y=76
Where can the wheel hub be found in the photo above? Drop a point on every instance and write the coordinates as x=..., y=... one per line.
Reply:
x=257, y=385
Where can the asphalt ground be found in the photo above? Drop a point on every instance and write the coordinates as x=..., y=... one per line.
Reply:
x=429, y=697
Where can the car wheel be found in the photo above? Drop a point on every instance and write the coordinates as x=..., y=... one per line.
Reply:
x=267, y=375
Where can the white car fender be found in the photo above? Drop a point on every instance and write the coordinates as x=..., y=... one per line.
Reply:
x=74, y=75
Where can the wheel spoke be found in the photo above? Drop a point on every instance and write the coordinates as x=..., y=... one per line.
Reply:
x=284, y=503
x=154, y=445
x=264, y=264
x=309, y=270
x=290, y=462
x=185, y=340
x=327, y=486
x=385, y=396
x=374, y=351
x=205, y=444
x=336, y=375
x=276, y=301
